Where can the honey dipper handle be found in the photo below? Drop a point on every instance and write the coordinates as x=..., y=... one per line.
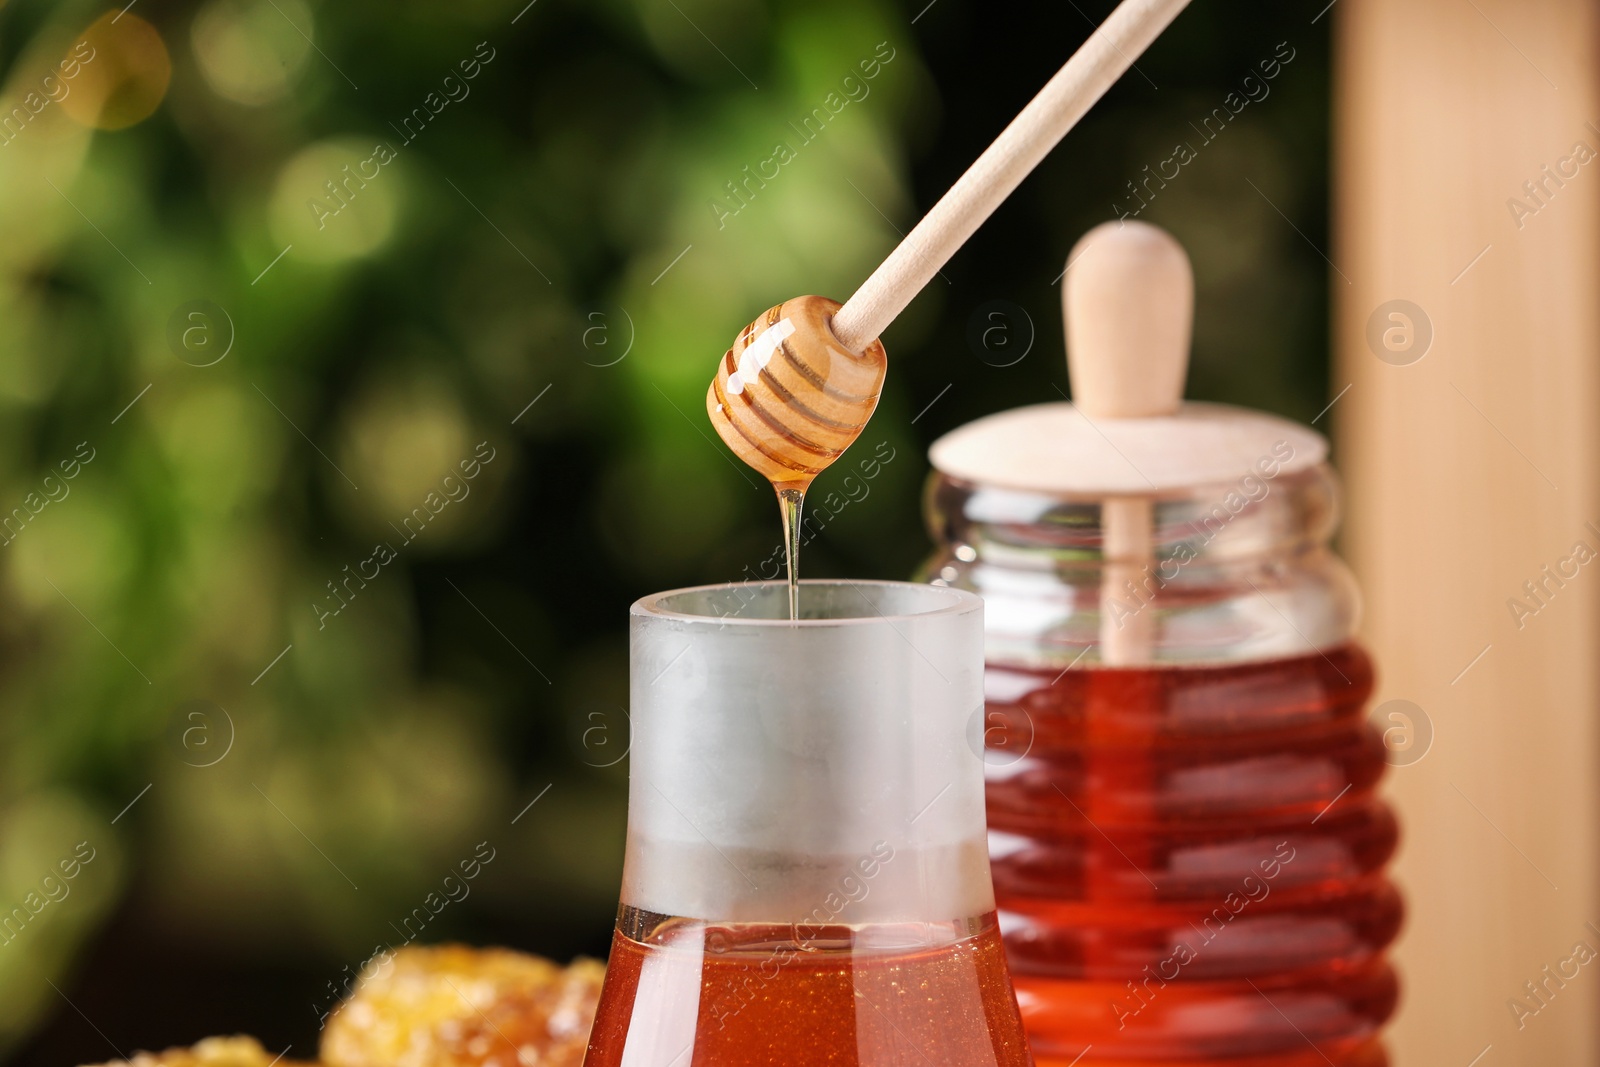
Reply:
x=1104, y=57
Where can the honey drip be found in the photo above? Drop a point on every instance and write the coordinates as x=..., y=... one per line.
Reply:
x=790, y=502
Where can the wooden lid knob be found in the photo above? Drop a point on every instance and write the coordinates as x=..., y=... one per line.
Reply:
x=1128, y=296
x=1128, y=301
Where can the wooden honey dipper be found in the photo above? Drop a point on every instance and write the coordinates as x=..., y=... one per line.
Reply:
x=801, y=381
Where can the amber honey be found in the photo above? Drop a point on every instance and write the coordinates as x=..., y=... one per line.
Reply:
x=681, y=993
x=1189, y=862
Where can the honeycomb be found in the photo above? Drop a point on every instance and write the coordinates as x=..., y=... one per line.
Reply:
x=439, y=1006
x=212, y=1052
x=453, y=1006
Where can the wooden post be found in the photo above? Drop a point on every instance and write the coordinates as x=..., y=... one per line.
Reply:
x=1472, y=471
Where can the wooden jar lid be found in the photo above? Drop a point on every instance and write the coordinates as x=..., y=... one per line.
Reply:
x=1054, y=448
x=1128, y=300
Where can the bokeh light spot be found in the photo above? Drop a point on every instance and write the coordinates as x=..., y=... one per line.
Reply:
x=250, y=50
x=400, y=441
x=337, y=200
x=123, y=74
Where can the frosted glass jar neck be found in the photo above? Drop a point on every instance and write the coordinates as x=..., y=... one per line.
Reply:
x=826, y=770
x=1237, y=571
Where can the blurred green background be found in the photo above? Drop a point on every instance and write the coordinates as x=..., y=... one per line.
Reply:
x=274, y=739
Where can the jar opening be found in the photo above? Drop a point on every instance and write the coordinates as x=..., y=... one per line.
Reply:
x=822, y=602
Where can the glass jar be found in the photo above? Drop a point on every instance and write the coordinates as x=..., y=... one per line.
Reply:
x=1187, y=848
x=806, y=882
